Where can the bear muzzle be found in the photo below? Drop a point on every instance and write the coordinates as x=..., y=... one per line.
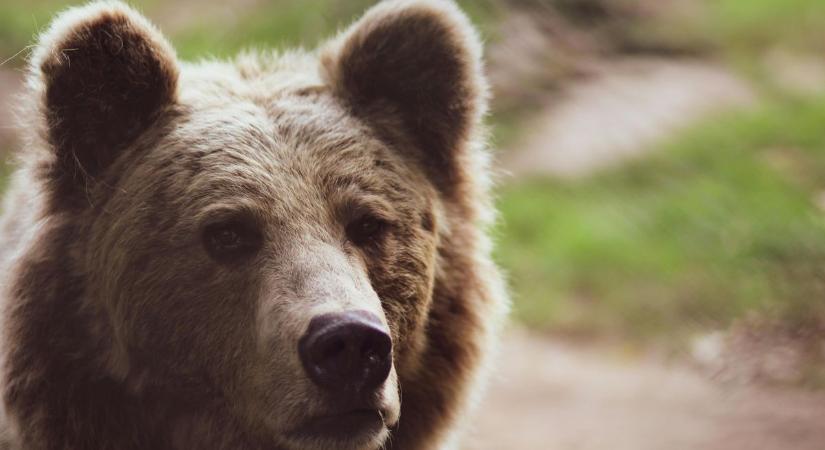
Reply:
x=348, y=355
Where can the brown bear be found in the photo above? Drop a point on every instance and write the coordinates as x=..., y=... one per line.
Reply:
x=284, y=251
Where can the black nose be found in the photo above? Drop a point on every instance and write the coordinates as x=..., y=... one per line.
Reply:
x=346, y=352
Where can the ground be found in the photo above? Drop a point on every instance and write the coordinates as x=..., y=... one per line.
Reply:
x=552, y=395
x=633, y=104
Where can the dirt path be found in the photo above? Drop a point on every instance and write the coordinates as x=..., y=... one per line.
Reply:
x=621, y=112
x=552, y=396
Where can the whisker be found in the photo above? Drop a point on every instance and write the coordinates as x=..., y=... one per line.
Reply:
x=28, y=47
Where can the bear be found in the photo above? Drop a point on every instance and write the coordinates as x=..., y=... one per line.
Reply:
x=284, y=250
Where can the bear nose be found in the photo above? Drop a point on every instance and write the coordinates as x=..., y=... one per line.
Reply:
x=346, y=352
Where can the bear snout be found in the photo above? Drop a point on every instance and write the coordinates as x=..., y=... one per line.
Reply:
x=347, y=352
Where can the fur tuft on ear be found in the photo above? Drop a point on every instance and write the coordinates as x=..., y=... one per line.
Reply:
x=103, y=73
x=420, y=62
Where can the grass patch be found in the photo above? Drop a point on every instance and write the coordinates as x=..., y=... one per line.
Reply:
x=19, y=24
x=753, y=25
x=288, y=24
x=741, y=31
x=22, y=20
x=5, y=172
x=722, y=221
x=279, y=24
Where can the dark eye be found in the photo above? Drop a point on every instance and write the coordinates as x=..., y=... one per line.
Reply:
x=230, y=241
x=365, y=230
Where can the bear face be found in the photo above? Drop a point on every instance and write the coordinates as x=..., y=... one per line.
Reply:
x=273, y=244
x=320, y=219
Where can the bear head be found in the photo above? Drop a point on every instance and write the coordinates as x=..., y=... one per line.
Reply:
x=258, y=238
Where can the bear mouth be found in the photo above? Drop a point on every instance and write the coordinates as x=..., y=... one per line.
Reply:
x=353, y=425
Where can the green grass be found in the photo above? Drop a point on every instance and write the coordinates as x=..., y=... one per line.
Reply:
x=740, y=31
x=754, y=25
x=287, y=24
x=20, y=22
x=720, y=222
x=279, y=24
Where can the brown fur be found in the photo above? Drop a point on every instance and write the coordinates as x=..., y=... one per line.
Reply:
x=120, y=332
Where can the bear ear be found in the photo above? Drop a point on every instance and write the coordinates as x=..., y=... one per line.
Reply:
x=417, y=61
x=103, y=73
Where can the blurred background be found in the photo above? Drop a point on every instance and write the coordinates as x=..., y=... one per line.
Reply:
x=662, y=208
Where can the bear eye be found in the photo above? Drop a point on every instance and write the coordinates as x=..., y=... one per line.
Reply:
x=230, y=241
x=365, y=230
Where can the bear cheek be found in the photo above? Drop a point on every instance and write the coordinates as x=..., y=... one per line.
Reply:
x=403, y=278
x=181, y=325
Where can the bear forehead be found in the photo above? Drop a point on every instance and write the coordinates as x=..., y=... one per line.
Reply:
x=289, y=147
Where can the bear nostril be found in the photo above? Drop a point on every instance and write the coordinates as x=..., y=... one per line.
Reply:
x=350, y=351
